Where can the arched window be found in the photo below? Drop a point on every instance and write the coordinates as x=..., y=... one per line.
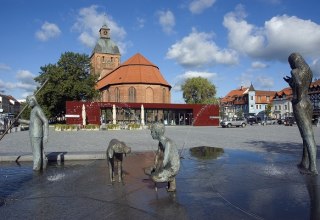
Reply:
x=132, y=94
x=149, y=95
x=106, y=96
x=117, y=94
x=164, y=95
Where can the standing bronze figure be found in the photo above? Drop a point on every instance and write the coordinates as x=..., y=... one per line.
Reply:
x=300, y=80
x=38, y=132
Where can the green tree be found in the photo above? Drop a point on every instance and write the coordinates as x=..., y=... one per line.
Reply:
x=239, y=113
x=26, y=113
x=69, y=80
x=199, y=90
x=268, y=109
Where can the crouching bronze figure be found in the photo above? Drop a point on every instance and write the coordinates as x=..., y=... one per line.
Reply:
x=167, y=160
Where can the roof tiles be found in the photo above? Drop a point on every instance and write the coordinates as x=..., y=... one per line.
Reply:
x=136, y=69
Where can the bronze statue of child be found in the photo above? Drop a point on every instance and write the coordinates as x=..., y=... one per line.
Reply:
x=167, y=160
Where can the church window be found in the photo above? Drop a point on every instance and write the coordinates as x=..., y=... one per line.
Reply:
x=117, y=94
x=132, y=94
x=149, y=95
x=164, y=95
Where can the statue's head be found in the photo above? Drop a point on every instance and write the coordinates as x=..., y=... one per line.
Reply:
x=31, y=100
x=296, y=61
x=157, y=130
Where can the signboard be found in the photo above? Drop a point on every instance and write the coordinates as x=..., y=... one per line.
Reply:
x=72, y=116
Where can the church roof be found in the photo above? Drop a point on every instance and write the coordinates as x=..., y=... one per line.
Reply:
x=136, y=70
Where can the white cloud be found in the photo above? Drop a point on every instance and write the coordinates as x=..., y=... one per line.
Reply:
x=197, y=49
x=4, y=67
x=258, y=81
x=140, y=22
x=89, y=22
x=48, y=31
x=167, y=21
x=25, y=82
x=191, y=74
x=258, y=65
x=245, y=79
x=264, y=82
x=276, y=40
x=87, y=39
x=198, y=6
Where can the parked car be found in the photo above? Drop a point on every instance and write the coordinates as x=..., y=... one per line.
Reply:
x=280, y=121
x=269, y=121
x=251, y=120
x=236, y=122
x=289, y=121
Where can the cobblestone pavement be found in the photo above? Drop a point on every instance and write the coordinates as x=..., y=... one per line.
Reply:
x=271, y=138
x=254, y=176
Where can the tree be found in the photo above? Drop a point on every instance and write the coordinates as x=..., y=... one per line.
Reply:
x=69, y=80
x=268, y=109
x=239, y=113
x=26, y=113
x=199, y=90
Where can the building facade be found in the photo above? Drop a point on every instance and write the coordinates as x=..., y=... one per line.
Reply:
x=137, y=80
x=9, y=105
x=142, y=113
x=245, y=102
x=250, y=101
x=281, y=105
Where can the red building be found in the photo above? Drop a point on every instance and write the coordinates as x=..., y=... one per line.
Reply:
x=143, y=113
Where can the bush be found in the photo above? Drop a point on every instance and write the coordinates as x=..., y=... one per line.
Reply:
x=64, y=127
x=133, y=126
x=91, y=127
x=113, y=126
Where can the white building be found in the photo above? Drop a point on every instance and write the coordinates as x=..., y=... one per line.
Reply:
x=281, y=104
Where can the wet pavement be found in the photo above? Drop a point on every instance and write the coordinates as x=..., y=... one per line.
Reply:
x=212, y=184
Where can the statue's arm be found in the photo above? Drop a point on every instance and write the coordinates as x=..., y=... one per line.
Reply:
x=23, y=121
x=156, y=159
x=45, y=124
x=166, y=153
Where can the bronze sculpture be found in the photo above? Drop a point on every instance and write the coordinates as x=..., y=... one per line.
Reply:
x=38, y=132
x=300, y=80
x=167, y=160
x=114, y=154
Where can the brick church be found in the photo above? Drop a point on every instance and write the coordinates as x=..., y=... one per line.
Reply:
x=137, y=80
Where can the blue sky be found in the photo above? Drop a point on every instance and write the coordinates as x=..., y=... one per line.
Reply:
x=232, y=43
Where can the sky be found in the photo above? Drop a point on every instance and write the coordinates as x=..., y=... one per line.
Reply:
x=232, y=43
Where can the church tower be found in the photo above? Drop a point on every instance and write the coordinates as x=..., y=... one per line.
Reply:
x=105, y=55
